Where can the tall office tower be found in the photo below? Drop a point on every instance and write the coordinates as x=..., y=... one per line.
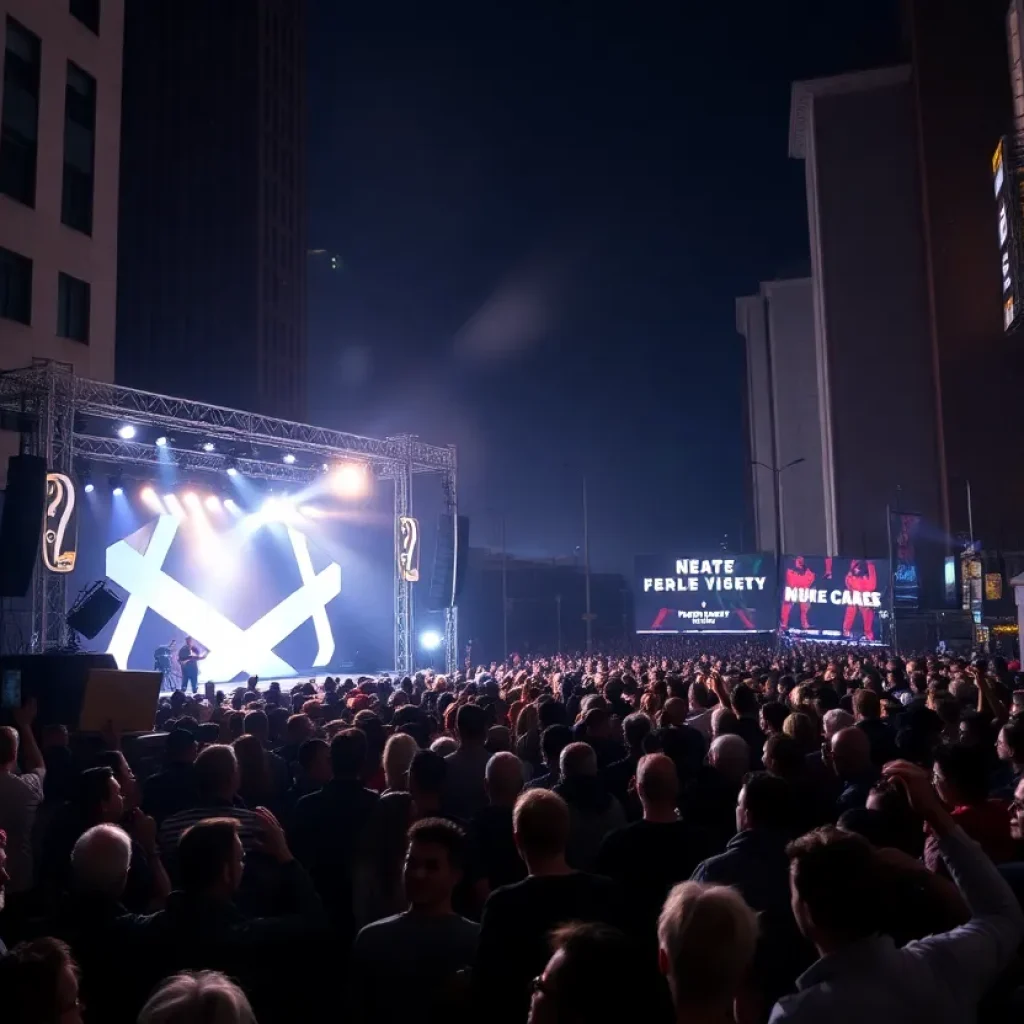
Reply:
x=212, y=294
x=60, y=108
x=783, y=416
x=878, y=405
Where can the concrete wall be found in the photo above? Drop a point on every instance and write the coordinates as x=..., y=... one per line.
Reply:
x=790, y=308
x=38, y=233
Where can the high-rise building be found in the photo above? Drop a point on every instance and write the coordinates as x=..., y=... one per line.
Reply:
x=963, y=105
x=212, y=292
x=60, y=131
x=783, y=416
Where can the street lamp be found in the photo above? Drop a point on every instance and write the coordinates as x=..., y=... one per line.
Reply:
x=776, y=488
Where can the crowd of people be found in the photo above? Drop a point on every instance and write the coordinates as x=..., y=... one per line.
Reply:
x=704, y=835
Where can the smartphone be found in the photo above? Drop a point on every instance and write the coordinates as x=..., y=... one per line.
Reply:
x=10, y=697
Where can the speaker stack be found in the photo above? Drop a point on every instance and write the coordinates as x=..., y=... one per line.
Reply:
x=21, y=525
x=451, y=550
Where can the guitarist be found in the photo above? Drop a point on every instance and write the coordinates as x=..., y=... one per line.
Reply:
x=189, y=658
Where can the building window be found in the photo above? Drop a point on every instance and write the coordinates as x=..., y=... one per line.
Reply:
x=79, y=147
x=88, y=13
x=73, y=308
x=20, y=117
x=15, y=287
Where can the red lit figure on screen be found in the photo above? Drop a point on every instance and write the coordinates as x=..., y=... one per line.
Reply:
x=797, y=575
x=862, y=577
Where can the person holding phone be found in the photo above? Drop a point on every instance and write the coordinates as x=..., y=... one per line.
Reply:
x=21, y=793
x=189, y=658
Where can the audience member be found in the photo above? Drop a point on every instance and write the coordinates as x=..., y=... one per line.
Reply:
x=593, y=811
x=667, y=846
x=491, y=827
x=405, y=966
x=206, y=997
x=21, y=793
x=518, y=918
x=173, y=789
x=851, y=761
x=464, y=786
x=39, y=984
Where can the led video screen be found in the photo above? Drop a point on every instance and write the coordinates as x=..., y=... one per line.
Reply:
x=273, y=592
x=835, y=599
x=705, y=594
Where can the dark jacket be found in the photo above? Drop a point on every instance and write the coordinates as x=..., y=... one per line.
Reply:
x=328, y=833
x=755, y=863
x=196, y=933
x=170, y=791
x=593, y=813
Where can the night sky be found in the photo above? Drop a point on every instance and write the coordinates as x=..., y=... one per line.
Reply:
x=543, y=216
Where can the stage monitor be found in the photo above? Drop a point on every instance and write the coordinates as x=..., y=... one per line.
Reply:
x=705, y=594
x=838, y=600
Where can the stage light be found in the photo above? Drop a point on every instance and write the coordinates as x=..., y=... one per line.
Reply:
x=116, y=484
x=232, y=469
x=209, y=446
x=430, y=640
x=161, y=442
x=213, y=503
x=174, y=506
x=90, y=487
x=126, y=432
x=191, y=499
x=149, y=496
x=288, y=458
x=231, y=506
x=350, y=480
x=311, y=512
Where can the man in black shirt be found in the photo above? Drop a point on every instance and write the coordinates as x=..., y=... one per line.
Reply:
x=518, y=919
x=648, y=857
x=188, y=658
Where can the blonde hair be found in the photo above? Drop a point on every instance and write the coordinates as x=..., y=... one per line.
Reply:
x=709, y=935
x=399, y=751
x=208, y=996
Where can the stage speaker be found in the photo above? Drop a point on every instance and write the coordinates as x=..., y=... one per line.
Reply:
x=461, y=553
x=451, y=549
x=21, y=525
x=95, y=609
x=442, y=575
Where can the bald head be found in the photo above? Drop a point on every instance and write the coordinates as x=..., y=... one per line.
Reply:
x=851, y=752
x=730, y=756
x=100, y=860
x=504, y=779
x=674, y=712
x=657, y=782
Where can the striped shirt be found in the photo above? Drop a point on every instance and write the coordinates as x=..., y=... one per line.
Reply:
x=249, y=827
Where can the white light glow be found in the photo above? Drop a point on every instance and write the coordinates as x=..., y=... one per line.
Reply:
x=350, y=480
x=174, y=506
x=232, y=471
x=289, y=458
x=126, y=433
x=213, y=503
x=430, y=640
x=208, y=446
x=161, y=442
x=89, y=488
x=232, y=506
x=118, y=491
x=149, y=496
x=192, y=500
x=312, y=512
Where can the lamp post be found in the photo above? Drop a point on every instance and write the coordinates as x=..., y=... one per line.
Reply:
x=777, y=472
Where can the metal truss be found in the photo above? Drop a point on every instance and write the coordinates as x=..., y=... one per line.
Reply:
x=57, y=402
x=449, y=484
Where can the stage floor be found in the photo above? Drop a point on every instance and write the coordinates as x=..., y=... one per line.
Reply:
x=286, y=684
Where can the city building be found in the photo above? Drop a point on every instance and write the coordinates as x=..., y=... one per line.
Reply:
x=212, y=293
x=878, y=415
x=60, y=106
x=963, y=105
x=783, y=416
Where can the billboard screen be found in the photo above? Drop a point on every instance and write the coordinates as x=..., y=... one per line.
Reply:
x=835, y=599
x=705, y=594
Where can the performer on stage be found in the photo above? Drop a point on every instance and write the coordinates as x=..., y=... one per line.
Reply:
x=189, y=658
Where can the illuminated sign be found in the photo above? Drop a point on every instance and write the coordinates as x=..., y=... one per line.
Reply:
x=60, y=532
x=1009, y=218
x=136, y=563
x=409, y=549
x=707, y=594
